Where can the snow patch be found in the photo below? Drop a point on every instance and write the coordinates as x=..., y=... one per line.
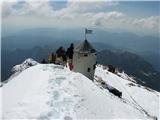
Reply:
x=26, y=64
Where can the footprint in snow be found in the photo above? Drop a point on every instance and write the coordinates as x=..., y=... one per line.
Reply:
x=49, y=114
x=59, y=80
x=68, y=118
x=56, y=95
x=50, y=80
x=52, y=87
x=76, y=95
x=43, y=117
x=55, y=114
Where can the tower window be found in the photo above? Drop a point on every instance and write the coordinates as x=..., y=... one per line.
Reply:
x=94, y=66
x=85, y=55
x=89, y=69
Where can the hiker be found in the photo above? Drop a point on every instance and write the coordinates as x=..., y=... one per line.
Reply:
x=43, y=61
x=59, y=51
x=61, y=56
x=111, y=89
x=64, y=58
x=111, y=69
x=69, y=54
x=115, y=92
x=51, y=58
x=58, y=55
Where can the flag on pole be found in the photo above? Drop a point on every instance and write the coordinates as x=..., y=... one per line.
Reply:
x=88, y=31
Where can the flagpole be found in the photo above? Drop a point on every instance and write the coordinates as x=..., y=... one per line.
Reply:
x=85, y=33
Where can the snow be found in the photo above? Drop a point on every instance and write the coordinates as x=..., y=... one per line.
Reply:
x=48, y=91
x=21, y=67
x=26, y=64
x=148, y=100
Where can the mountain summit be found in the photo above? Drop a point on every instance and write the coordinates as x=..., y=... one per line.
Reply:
x=48, y=91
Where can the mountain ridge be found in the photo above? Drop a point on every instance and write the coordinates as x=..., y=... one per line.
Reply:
x=63, y=94
x=109, y=56
x=124, y=40
x=133, y=65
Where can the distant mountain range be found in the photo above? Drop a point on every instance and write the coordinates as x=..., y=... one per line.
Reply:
x=145, y=46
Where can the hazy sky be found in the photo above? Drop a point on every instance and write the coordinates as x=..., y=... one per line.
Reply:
x=140, y=17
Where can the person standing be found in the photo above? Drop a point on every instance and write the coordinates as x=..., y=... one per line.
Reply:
x=50, y=58
x=53, y=58
x=69, y=54
x=59, y=55
x=43, y=61
x=64, y=58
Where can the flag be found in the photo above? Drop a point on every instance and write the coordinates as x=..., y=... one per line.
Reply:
x=88, y=31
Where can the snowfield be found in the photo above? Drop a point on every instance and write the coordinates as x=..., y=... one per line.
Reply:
x=48, y=91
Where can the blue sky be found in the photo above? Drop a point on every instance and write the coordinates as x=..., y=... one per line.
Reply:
x=141, y=17
x=134, y=8
x=139, y=8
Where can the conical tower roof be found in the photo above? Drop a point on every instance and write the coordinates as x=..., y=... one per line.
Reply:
x=84, y=47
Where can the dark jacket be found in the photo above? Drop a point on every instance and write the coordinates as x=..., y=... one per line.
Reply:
x=69, y=52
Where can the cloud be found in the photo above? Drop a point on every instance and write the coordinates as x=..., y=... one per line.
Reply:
x=39, y=8
x=117, y=19
x=7, y=8
x=34, y=7
x=89, y=6
x=91, y=13
x=147, y=23
x=44, y=8
x=103, y=18
x=79, y=8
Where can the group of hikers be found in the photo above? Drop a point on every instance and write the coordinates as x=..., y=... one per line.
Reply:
x=62, y=57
